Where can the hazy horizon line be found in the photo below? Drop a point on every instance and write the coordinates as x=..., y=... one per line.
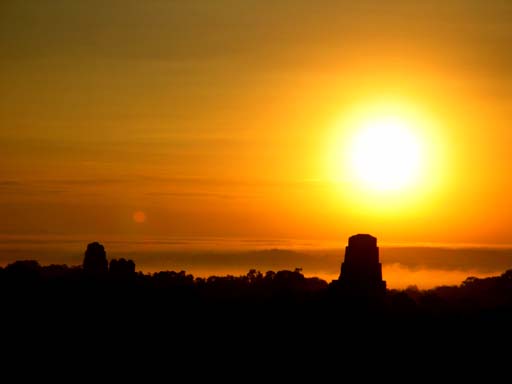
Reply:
x=229, y=242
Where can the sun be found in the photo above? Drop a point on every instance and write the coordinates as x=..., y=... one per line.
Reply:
x=388, y=157
x=385, y=154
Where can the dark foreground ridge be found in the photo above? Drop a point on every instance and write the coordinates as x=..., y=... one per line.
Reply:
x=113, y=300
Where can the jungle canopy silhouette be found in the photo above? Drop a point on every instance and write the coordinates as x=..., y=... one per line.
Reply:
x=99, y=282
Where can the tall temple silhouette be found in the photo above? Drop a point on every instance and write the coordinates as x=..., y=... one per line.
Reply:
x=361, y=271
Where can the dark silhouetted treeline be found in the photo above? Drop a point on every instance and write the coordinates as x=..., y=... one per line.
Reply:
x=110, y=308
x=107, y=300
x=114, y=283
x=27, y=279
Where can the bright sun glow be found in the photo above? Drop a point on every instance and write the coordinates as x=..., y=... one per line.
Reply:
x=386, y=158
x=385, y=154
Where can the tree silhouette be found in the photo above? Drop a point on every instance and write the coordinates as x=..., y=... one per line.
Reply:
x=121, y=268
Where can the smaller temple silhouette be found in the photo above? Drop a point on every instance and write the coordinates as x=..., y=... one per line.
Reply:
x=96, y=264
x=361, y=271
x=95, y=260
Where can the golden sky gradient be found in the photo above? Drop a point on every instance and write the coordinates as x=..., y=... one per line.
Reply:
x=232, y=118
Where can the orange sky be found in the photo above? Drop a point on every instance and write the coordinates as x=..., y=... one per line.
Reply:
x=219, y=118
